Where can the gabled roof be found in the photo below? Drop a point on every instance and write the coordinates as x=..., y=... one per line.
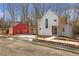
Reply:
x=49, y=10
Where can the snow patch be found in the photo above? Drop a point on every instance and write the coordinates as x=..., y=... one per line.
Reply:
x=31, y=36
x=10, y=38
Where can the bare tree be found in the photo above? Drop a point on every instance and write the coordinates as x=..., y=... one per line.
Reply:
x=1, y=22
x=12, y=12
x=25, y=16
x=37, y=14
x=24, y=13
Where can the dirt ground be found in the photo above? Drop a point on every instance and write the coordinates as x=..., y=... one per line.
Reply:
x=17, y=47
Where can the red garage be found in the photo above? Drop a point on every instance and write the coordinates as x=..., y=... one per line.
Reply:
x=20, y=28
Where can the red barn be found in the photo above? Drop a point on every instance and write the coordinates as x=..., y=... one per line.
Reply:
x=20, y=28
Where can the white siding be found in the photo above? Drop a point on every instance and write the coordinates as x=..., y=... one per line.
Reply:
x=68, y=31
x=51, y=16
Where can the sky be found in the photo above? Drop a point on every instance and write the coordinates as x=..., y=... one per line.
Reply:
x=3, y=11
x=53, y=6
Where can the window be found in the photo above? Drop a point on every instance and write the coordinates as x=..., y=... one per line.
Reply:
x=39, y=28
x=46, y=23
x=54, y=20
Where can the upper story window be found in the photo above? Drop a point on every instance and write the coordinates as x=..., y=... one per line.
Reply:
x=46, y=23
x=54, y=20
x=39, y=28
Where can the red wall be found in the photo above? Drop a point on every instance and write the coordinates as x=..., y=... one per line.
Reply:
x=20, y=29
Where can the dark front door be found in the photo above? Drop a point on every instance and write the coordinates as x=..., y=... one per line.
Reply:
x=54, y=30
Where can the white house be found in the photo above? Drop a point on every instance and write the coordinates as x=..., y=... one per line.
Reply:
x=48, y=25
x=66, y=31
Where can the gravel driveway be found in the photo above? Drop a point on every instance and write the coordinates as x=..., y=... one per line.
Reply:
x=21, y=48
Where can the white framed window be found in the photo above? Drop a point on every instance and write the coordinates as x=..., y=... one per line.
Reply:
x=46, y=23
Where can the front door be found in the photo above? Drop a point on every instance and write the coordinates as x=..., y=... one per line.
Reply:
x=54, y=30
